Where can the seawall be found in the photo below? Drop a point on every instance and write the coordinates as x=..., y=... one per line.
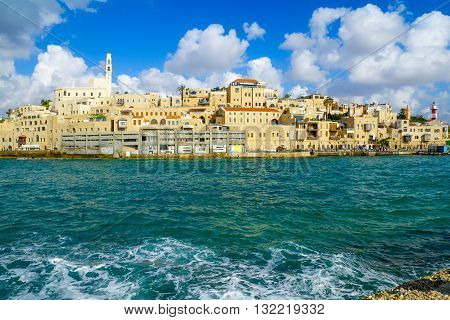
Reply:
x=301, y=154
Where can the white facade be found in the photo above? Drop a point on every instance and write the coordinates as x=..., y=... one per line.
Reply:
x=79, y=100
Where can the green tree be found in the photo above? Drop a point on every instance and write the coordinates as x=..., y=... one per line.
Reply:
x=402, y=114
x=328, y=102
x=45, y=103
x=286, y=96
x=334, y=117
x=384, y=142
x=418, y=118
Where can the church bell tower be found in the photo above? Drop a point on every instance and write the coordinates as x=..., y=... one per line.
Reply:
x=108, y=73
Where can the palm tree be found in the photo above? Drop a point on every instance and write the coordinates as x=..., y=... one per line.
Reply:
x=328, y=103
x=180, y=89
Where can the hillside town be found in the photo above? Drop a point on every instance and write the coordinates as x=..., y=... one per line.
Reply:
x=244, y=117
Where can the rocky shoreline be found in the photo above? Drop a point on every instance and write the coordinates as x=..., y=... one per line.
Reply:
x=433, y=287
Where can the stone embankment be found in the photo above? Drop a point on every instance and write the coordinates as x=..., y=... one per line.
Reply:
x=297, y=154
x=434, y=287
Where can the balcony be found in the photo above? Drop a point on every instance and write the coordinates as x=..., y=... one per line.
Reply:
x=426, y=138
x=407, y=138
x=312, y=127
x=203, y=101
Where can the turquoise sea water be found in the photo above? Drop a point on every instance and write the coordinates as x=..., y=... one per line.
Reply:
x=326, y=228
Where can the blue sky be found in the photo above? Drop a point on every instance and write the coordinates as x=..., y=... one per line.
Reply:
x=143, y=35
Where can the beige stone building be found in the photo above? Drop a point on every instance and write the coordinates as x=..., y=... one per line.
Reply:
x=246, y=93
x=79, y=100
x=261, y=125
x=363, y=130
x=7, y=135
x=247, y=116
x=246, y=107
x=217, y=99
x=319, y=135
x=195, y=97
x=407, y=135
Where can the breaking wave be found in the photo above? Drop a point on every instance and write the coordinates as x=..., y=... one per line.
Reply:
x=172, y=269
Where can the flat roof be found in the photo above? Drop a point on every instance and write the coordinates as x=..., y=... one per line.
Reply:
x=251, y=109
x=246, y=80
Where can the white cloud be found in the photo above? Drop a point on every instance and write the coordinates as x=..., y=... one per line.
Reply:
x=56, y=67
x=263, y=70
x=398, y=97
x=296, y=42
x=17, y=34
x=298, y=91
x=398, y=6
x=366, y=29
x=201, y=52
x=304, y=67
x=253, y=31
x=422, y=57
x=6, y=68
x=154, y=80
x=221, y=79
x=400, y=71
x=81, y=4
x=322, y=18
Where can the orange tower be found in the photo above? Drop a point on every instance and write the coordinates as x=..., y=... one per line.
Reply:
x=408, y=112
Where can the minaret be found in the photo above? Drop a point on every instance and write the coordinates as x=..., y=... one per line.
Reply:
x=108, y=73
x=408, y=112
x=434, y=110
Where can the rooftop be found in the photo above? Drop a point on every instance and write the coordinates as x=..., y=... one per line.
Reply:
x=246, y=80
x=251, y=109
